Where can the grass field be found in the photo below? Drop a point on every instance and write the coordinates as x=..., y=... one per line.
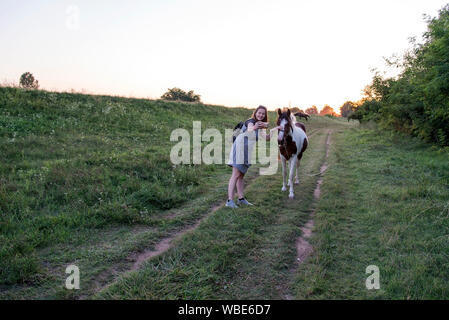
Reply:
x=78, y=170
x=87, y=180
x=385, y=202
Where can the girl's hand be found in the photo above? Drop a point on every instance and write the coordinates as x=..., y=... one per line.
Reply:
x=257, y=125
x=261, y=125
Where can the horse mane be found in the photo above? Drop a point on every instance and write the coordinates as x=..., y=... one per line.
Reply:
x=293, y=118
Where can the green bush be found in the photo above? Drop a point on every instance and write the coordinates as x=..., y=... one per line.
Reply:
x=27, y=81
x=417, y=101
x=177, y=94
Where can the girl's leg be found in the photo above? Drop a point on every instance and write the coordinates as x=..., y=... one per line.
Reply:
x=232, y=182
x=240, y=186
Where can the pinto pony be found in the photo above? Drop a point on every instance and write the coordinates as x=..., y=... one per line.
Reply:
x=292, y=142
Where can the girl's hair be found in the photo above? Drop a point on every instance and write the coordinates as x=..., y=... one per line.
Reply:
x=266, y=114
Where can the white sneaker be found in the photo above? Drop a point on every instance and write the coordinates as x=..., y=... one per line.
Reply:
x=231, y=204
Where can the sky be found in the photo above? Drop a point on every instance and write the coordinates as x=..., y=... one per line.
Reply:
x=234, y=53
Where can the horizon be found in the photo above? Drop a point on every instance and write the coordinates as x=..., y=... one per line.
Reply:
x=235, y=55
x=6, y=84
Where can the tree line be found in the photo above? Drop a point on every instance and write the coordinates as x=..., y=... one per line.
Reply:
x=417, y=100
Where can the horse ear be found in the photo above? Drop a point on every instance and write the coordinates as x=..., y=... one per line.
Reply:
x=279, y=111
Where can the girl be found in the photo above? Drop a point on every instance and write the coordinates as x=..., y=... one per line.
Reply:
x=242, y=149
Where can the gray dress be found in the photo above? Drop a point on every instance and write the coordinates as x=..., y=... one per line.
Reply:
x=240, y=155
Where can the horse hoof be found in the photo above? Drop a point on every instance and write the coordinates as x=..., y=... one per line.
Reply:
x=284, y=189
x=297, y=182
x=291, y=196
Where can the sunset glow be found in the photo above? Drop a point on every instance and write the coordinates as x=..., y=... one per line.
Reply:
x=233, y=53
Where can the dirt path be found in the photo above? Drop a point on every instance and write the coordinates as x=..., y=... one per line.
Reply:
x=166, y=243
x=140, y=258
x=303, y=247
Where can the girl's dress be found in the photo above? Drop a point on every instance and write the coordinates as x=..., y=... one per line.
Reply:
x=240, y=155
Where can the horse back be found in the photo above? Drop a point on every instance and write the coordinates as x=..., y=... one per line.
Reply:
x=302, y=139
x=305, y=144
x=301, y=125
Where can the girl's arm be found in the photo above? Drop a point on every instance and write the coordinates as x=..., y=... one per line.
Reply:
x=268, y=137
x=252, y=127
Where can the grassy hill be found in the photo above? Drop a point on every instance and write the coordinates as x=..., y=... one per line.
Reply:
x=87, y=180
x=73, y=162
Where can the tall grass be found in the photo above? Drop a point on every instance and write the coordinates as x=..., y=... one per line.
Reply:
x=73, y=162
x=385, y=202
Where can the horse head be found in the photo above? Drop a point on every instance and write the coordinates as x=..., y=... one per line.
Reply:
x=285, y=123
x=292, y=142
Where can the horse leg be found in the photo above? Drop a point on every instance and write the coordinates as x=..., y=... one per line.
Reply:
x=293, y=162
x=284, y=173
x=304, y=147
x=297, y=172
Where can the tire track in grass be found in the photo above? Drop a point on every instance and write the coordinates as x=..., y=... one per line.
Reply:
x=163, y=245
x=138, y=259
x=303, y=248
x=166, y=243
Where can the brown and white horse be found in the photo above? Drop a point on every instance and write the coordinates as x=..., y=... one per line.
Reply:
x=292, y=142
